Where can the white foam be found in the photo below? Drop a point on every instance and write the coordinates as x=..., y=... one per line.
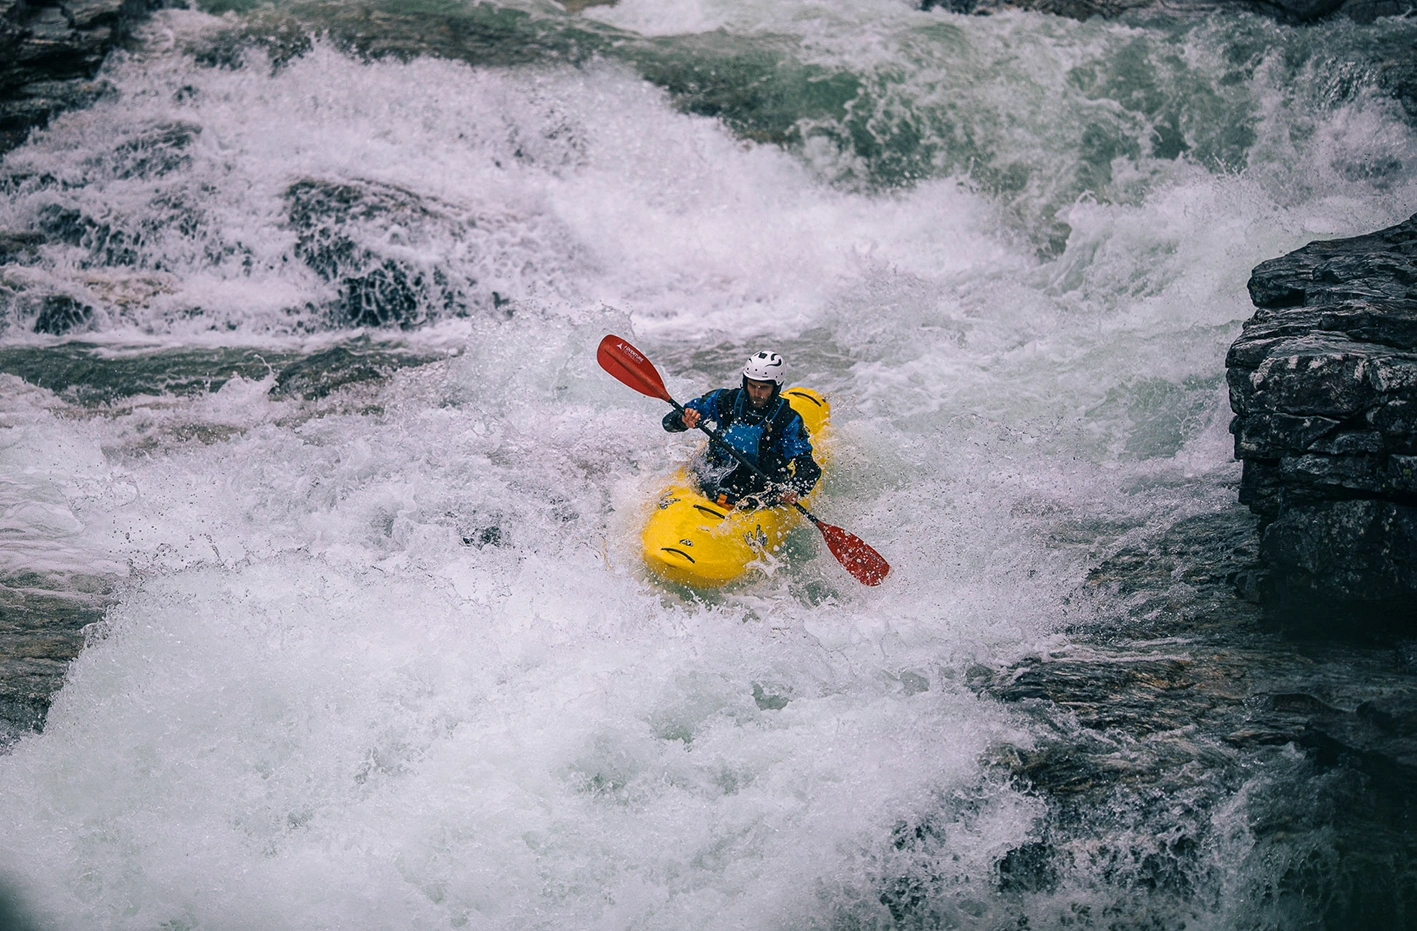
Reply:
x=390, y=659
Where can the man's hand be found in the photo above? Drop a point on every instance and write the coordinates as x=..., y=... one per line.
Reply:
x=690, y=417
x=788, y=497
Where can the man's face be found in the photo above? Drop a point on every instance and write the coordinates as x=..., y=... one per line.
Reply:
x=759, y=392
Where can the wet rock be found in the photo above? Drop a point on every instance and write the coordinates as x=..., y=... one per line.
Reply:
x=1138, y=695
x=156, y=151
x=60, y=314
x=1398, y=76
x=64, y=224
x=1196, y=574
x=49, y=54
x=20, y=248
x=318, y=375
x=1160, y=733
x=1357, y=550
x=1377, y=738
x=1323, y=382
x=490, y=535
x=1029, y=868
x=384, y=296
x=42, y=621
x=107, y=245
x=362, y=237
x=1124, y=715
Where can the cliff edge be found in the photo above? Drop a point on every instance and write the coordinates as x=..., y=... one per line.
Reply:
x=1323, y=382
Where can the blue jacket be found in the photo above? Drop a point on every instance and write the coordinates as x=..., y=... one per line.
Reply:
x=776, y=440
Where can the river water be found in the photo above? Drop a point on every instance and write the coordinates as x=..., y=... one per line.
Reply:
x=381, y=654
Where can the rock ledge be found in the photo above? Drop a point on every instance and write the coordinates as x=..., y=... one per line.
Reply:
x=1323, y=382
x=50, y=51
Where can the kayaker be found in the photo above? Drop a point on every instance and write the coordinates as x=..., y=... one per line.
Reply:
x=757, y=422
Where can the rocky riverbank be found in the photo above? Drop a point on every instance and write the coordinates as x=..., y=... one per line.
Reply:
x=1181, y=699
x=1323, y=382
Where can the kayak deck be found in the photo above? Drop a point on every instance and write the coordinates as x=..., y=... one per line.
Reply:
x=690, y=540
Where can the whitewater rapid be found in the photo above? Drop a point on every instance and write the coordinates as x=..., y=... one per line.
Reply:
x=388, y=659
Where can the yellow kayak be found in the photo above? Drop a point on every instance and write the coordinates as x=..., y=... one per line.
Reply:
x=693, y=541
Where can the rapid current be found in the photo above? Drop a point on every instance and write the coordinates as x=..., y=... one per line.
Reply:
x=379, y=652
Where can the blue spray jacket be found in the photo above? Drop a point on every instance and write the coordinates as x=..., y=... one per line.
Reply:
x=774, y=440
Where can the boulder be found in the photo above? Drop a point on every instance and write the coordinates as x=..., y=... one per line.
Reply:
x=1323, y=383
x=50, y=51
x=395, y=258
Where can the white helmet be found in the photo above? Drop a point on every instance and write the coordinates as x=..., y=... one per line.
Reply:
x=765, y=366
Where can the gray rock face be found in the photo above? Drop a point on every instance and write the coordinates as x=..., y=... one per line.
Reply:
x=1323, y=382
x=50, y=51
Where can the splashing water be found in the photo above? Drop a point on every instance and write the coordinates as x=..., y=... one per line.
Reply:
x=384, y=656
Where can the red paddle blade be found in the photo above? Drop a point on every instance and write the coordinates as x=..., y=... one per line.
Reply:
x=631, y=367
x=865, y=564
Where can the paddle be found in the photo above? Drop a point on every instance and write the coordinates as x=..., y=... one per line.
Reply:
x=630, y=366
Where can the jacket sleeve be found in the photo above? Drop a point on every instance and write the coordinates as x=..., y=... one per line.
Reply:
x=805, y=473
x=674, y=423
x=797, y=450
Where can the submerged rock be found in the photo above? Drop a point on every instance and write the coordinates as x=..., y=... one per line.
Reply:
x=317, y=376
x=20, y=248
x=1323, y=382
x=1150, y=725
x=380, y=245
x=82, y=373
x=156, y=151
x=60, y=314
